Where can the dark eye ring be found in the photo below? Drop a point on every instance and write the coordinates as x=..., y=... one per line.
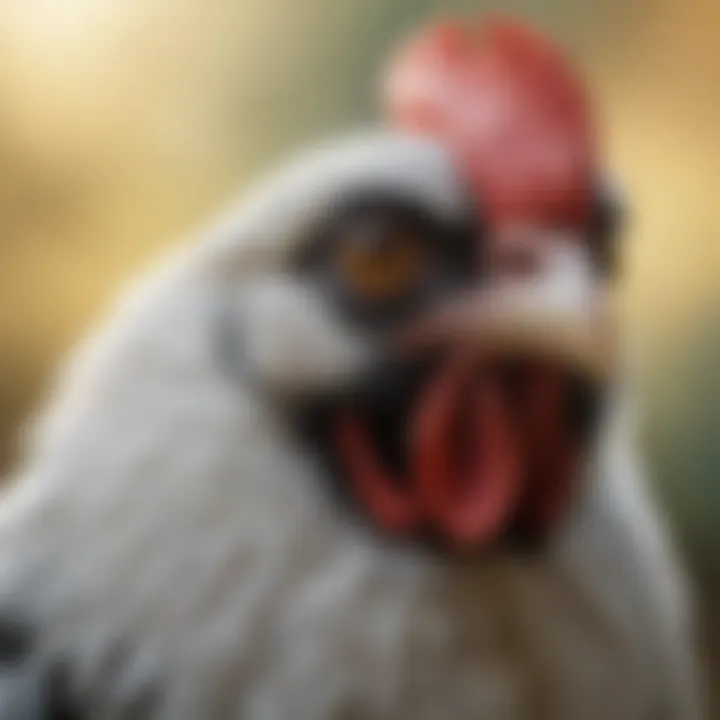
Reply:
x=383, y=258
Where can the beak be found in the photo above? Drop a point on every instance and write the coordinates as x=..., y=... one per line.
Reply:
x=558, y=316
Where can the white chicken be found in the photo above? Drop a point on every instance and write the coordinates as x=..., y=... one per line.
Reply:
x=358, y=452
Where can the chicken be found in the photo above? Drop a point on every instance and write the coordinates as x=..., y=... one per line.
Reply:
x=363, y=449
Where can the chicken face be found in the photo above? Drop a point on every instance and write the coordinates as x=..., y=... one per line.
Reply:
x=448, y=373
x=472, y=345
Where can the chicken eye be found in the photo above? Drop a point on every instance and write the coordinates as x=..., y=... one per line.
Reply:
x=377, y=263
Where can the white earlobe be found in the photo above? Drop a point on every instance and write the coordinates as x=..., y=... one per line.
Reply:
x=279, y=335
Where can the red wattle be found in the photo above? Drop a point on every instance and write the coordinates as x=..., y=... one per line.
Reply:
x=393, y=510
x=472, y=502
x=515, y=465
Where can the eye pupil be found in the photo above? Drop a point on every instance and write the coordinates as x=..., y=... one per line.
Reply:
x=380, y=262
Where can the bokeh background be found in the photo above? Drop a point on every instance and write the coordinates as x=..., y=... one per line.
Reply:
x=126, y=123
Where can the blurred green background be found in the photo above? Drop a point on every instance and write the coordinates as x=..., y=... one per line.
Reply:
x=124, y=123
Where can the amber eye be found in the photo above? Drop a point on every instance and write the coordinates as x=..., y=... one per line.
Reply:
x=380, y=263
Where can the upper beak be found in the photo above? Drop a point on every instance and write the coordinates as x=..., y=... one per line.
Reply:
x=550, y=316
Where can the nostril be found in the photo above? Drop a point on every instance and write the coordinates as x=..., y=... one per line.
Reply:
x=518, y=265
x=515, y=257
x=515, y=252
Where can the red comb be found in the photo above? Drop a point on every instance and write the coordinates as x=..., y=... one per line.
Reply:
x=510, y=107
